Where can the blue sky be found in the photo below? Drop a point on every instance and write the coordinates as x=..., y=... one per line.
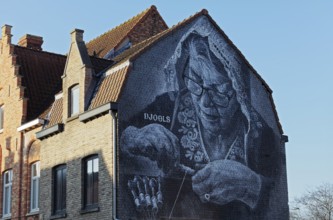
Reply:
x=289, y=43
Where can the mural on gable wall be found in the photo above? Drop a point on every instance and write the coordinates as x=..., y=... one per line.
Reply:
x=199, y=150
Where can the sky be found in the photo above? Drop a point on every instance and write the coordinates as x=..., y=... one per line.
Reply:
x=289, y=43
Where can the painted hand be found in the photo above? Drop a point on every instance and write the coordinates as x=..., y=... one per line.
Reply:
x=154, y=142
x=147, y=193
x=224, y=181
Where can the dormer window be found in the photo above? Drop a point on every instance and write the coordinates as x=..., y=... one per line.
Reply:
x=74, y=100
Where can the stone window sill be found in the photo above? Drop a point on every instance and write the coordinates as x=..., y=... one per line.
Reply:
x=6, y=217
x=89, y=210
x=57, y=216
x=72, y=118
x=36, y=212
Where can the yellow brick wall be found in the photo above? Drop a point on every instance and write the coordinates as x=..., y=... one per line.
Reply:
x=77, y=141
x=11, y=98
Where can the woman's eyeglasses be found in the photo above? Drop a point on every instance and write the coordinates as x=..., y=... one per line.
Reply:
x=218, y=94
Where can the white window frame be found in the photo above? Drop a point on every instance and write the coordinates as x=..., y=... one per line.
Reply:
x=59, y=202
x=74, y=101
x=34, y=193
x=7, y=201
x=91, y=163
x=2, y=113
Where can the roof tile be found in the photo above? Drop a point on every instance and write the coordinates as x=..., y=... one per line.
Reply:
x=101, y=45
x=109, y=88
x=55, y=114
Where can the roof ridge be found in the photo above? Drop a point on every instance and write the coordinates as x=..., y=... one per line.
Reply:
x=40, y=51
x=141, y=14
x=202, y=12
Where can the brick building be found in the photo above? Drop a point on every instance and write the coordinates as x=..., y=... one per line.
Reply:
x=114, y=130
x=22, y=77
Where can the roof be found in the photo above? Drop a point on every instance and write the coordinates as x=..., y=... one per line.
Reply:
x=55, y=114
x=101, y=45
x=41, y=76
x=100, y=64
x=107, y=90
x=109, y=87
x=98, y=46
x=44, y=114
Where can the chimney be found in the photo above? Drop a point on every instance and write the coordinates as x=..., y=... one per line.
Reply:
x=77, y=35
x=31, y=41
x=6, y=34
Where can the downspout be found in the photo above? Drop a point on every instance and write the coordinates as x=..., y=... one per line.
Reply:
x=114, y=178
x=21, y=174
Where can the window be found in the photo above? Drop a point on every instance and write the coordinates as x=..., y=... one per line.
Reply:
x=35, y=175
x=74, y=100
x=1, y=117
x=7, y=192
x=90, y=182
x=59, y=190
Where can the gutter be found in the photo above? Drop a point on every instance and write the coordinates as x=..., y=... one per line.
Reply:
x=93, y=113
x=50, y=131
x=114, y=115
x=31, y=124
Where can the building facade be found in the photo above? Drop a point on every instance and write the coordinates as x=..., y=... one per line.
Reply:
x=142, y=122
x=22, y=77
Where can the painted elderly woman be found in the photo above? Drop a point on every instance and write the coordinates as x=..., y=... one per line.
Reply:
x=217, y=156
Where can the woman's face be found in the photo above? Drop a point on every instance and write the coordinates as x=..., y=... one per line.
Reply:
x=212, y=94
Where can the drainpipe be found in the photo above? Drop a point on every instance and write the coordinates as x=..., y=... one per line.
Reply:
x=22, y=143
x=113, y=113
